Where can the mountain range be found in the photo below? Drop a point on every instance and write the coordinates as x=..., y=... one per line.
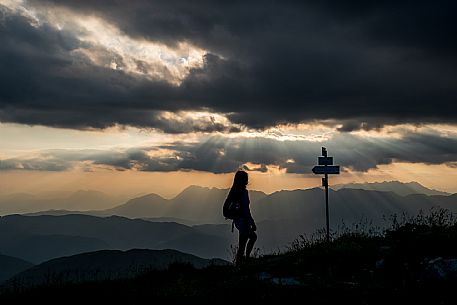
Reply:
x=192, y=223
x=40, y=238
x=82, y=200
x=151, y=205
x=281, y=217
x=400, y=188
x=201, y=205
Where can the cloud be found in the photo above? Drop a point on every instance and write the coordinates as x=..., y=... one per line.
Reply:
x=350, y=151
x=220, y=154
x=364, y=64
x=36, y=164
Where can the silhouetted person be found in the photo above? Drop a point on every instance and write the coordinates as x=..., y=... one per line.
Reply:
x=244, y=223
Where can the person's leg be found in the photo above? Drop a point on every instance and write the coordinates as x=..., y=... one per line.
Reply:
x=243, y=239
x=250, y=246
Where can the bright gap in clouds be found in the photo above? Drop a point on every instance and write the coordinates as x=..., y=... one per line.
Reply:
x=105, y=45
x=153, y=60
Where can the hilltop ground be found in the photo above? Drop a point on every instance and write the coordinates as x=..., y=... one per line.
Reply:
x=413, y=262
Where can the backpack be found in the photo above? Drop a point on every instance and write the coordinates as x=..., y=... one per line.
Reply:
x=232, y=207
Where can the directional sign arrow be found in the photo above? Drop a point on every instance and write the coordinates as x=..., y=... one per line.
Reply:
x=325, y=160
x=320, y=170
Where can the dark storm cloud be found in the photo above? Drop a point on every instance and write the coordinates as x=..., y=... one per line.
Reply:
x=363, y=63
x=221, y=155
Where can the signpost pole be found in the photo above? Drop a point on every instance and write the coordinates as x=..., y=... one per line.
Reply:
x=325, y=155
x=326, y=208
x=325, y=166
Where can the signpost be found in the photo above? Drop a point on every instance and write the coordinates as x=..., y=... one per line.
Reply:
x=326, y=168
x=325, y=160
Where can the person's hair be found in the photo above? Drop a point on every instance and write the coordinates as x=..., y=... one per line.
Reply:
x=240, y=181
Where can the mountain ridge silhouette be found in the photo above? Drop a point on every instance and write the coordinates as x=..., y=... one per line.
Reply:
x=106, y=264
x=167, y=207
x=10, y=266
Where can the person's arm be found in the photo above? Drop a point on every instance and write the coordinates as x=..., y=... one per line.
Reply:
x=248, y=213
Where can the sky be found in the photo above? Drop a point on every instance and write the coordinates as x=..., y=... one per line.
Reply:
x=132, y=97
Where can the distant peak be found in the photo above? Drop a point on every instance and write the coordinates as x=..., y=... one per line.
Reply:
x=401, y=188
x=88, y=192
x=193, y=187
x=148, y=196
